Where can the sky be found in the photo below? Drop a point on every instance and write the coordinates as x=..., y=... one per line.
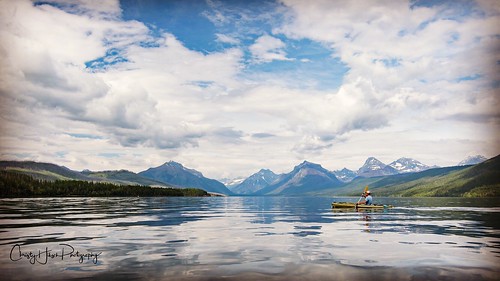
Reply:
x=230, y=87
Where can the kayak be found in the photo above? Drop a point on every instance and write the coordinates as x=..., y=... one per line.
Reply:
x=345, y=205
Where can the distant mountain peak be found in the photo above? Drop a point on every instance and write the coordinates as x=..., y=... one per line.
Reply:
x=264, y=171
x=173, y=164
x=408, y=165
x=305, y=177
x=173, y=173
x=307, y=164
x=263, y=178
x=177, y=165
x=345, y=175
x=231, y=182
x=372, y=164
x=372, y=160
x=472, y=160
x=374, y=168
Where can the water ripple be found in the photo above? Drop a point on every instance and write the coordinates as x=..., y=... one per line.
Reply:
x=170, y=238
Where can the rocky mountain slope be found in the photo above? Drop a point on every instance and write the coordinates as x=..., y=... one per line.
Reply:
x=304, y=178
x=173, y=173
x=472, y=160
x=374, y=168
x=255, y=182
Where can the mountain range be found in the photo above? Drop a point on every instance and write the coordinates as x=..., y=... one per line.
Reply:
x=170, y=174
x=302, y=176
x=374, y=168
x=305, y=178
x=480, y=180
x=345, y=175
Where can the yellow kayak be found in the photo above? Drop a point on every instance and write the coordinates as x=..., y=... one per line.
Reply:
x=345, y=205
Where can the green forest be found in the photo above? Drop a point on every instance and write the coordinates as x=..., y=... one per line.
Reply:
x=15, y=185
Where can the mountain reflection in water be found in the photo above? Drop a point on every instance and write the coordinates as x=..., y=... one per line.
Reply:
x=249, y=238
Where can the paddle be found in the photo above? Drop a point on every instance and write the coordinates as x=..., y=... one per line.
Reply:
x=364, y=192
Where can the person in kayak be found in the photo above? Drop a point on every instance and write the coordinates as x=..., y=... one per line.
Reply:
x=368, y=199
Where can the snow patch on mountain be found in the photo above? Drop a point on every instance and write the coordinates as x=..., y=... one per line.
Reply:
x=345, y=175
x=408, y=165
x=255, y=182
x=232, y=182
x=375, y=168
x=472, y=160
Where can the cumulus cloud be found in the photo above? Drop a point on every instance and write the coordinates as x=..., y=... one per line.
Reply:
x=311, y=145
x=313, y=118
x=138, y=93
x=162, y=98
x=412, y=55
x=156, y=104
x=267, y=48
x=48, y=68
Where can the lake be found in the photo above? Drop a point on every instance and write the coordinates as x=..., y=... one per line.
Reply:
x=248, y=238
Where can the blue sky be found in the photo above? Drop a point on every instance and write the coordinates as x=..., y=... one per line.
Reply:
x=230, y=87
x=215, y=26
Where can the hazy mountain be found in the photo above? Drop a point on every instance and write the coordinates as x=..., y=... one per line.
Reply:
x=255, y=182
x=408, y=165
x=43, y=171
x=305, y=177
x=173, y=173
x=345, y=175
x=472, y=160
x=230, y=183
x=374, y=168
x=52, y=172
x=123, y=177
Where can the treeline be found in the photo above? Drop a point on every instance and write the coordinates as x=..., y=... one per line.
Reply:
x=15, y=185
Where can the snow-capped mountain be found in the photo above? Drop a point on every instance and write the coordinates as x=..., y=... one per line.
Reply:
x=345, y=175
x=305, y=177
x=374, y=168
x=472, y=160
x=408, y=165
x=255, y=182
x=230, y=183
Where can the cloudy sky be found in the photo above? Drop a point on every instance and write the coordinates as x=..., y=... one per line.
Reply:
x=230, y=87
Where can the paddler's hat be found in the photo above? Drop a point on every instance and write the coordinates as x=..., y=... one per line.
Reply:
x=368, y=192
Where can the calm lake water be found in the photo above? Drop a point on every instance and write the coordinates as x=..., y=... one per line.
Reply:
x=248, y=238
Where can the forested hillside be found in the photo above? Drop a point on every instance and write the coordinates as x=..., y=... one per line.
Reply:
x=13, y=185
x=481, y=180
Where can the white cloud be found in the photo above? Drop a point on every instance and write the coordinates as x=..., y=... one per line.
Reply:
x=227, y=39
x=161, y=97
x=103, y=9
x=412, y=56
x=415, y=80
x=44, y=51
x=152, y=100
x=267, y=48
x=165, y=97
x=395, y=45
